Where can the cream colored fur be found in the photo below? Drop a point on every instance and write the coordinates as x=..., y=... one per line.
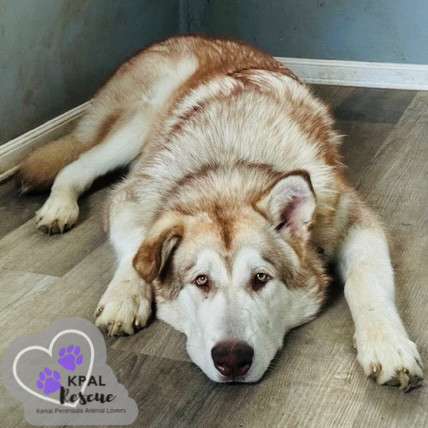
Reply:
x=235, y=172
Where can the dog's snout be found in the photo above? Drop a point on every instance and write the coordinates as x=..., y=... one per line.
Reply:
x=232, y=359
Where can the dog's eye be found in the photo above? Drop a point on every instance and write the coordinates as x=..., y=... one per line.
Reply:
x=202, y=281
x=260, y=279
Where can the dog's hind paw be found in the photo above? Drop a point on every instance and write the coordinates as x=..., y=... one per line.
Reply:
x=125, y=307
x=391, y=360
x=57, y=215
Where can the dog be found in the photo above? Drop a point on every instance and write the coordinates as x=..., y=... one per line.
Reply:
x=235, y=201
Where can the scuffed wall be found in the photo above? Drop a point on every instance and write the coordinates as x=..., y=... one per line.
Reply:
x=358, y=30
x=54, y=54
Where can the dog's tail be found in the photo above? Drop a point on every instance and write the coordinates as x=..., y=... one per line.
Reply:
x=37, y=171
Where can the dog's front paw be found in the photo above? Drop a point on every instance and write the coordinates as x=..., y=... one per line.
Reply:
x=125, y=307
x=391, y=359
x=58, y=214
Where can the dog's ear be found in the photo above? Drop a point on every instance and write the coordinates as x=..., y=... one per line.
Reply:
x=156, y=251
x=290, y=203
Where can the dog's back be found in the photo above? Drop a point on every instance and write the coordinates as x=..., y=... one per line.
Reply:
x=148, y=87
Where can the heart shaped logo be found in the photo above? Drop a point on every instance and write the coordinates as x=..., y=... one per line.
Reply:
x=62, y=377
x=49, y=380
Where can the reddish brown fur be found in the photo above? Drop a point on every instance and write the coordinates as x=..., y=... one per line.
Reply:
x=149, y=259
x=106, y=127
x=37, y=171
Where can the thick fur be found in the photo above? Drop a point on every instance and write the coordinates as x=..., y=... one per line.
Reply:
x=236, y=176
x=38, y=170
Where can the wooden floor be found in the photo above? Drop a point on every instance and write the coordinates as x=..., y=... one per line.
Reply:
x=316, y=380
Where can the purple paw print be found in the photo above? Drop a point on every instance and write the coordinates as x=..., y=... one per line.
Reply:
x=48, y=381
x=70, y=359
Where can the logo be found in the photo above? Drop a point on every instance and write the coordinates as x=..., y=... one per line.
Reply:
x=62, y=378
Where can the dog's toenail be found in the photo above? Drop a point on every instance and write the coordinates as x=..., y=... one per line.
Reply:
x=375, y=369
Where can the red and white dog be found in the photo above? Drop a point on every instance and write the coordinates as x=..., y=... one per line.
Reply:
x=236, y=183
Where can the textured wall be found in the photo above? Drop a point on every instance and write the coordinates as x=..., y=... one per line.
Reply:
x=54, y=54
x=360, y=30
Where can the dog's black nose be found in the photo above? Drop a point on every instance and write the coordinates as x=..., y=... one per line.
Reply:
x=232, y=359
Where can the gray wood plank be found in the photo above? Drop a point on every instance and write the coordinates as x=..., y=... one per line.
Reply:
x=15, y=210
x=332, y=95
x=374, y=105
x=361, y=141
x=395, y=179
x=29, y=250
x=14, y=287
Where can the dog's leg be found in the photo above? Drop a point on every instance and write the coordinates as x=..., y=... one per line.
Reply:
x=60, y=211
x=384, y=349
x=116, y=127
x=126, y=304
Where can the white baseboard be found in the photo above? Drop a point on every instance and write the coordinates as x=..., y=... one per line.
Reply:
x=12, y=151
x=358, y=73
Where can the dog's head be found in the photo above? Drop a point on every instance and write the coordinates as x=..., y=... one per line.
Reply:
x=236, y=278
